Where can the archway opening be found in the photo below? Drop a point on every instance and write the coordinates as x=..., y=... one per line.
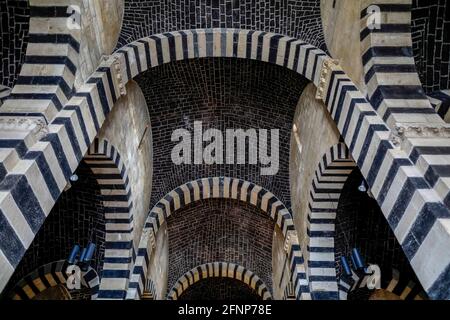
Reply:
x=76, y=219
x=219, y=289
x=361, y=224
x=220, y=230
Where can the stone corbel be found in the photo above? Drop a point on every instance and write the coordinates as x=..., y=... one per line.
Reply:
x=325, y=74
x=290, y=236
x=114, y=64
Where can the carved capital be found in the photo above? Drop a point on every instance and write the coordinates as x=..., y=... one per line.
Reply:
x=290, y=239
x=119, y=75
x=114, y=64
x=327, y=67
x=404, y=131
x=37, y=126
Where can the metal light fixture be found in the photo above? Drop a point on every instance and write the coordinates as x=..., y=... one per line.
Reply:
x=346, y=266
x=82, y=257
x=357, y=259
x=362, y=187
x=73, y=254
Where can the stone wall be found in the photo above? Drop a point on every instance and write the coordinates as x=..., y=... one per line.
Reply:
x=96, y=17
x=14, y=27
x=77, y=218
x=431, y=43
x=316, y=134
x=341, y=25
x=220, y=230
x=158, y=265
x=296, y=18
x=223, y=94
x=279, y=263
x=128, y=129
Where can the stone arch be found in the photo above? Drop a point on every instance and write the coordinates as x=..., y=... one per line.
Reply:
x=284, y=51
x=329, y=179
x=111, y=174
x=51, y=275
x=219, y=270
x=226, y=188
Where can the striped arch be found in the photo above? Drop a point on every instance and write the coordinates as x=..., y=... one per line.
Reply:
x=329, y=179
x=220, y=188
x=51, y=275
x=219, y=270
x=284, y=51
x=111, y=174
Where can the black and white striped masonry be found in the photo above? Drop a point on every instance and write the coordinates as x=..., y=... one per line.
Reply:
x=219, y=270
x=110, y=171
x=329, y=179
x=223, y=188
x=51, y=275
x=397, y=179
x=44, y=85
x=393, y=85
x=46, y=80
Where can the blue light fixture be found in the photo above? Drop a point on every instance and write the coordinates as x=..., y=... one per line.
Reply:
x=82, y=259
x=83, y=254
x=346, y=266
x=73, y=254
x=359, y=263
x=90, y=252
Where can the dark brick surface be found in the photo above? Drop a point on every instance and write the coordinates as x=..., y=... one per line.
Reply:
x=76, y=218
x=219, y=289
x=296, y=18
x=14, y=25
x=361, y=224
x=431, y=42
x=219, y=230
x=223, y=94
